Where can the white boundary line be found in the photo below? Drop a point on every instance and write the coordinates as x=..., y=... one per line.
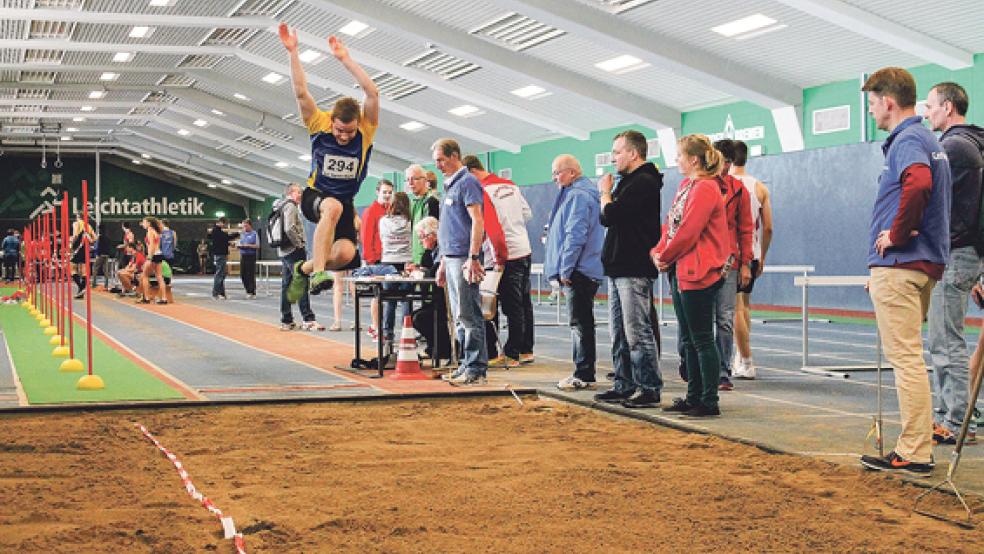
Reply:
x=21, y=395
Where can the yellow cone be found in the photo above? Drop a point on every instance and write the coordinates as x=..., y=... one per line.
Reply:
x=60, y=352
x=51, y=331
x=91, y=382
x=39, y=315
x=45, y=323
x=55, y=339
x=71, y=365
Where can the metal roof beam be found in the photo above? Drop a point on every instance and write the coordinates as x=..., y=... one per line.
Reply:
x=620, y=34
x=877, y=28
x=636, y=108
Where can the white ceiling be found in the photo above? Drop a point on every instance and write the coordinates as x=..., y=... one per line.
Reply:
x=202, y=52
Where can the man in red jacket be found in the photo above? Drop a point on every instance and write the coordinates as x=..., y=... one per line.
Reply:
x=738, y=211
x=372, y=248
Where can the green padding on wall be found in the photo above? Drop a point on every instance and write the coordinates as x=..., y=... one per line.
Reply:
x=44, y=384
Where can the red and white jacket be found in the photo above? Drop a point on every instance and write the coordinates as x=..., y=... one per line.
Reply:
x=513, y=212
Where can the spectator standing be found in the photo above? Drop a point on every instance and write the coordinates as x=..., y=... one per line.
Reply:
x=249, y=246
x=696, y=252
x=422, y=204
x=220, y=253
x=104, y=250
x=512, y=212
x=633, y=231
x=371, y=245
x=946, y=110
x=11, y=255
x=573, y=258
x=169, y=242
x=202, y=256
x=292, y=251
x=910, y=245
x=460, y=237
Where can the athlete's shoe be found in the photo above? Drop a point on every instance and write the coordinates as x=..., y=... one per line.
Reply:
x=321, y=281
x=298, y=284
x=894, y=462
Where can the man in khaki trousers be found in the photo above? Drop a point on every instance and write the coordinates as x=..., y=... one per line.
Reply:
x=909, y=246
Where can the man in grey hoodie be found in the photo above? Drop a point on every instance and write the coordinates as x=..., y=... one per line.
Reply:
x=290, y=252
x=946, y=108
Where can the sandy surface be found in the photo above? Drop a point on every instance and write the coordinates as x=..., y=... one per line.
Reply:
x=480, y=475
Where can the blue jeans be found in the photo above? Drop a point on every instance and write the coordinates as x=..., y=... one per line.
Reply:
x=218, y=282
x=466, y=309
x=724, y=320
x=630, y=301
x=947, y=346
x=287, y=270
x=580, y=310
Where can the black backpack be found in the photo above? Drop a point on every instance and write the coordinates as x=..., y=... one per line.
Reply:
x=276, y=228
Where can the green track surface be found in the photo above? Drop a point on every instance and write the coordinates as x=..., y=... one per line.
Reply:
x=44, y=384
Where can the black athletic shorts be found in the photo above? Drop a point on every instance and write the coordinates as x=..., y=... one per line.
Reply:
x=751, y=282
x=157, y=258
x=344, y=229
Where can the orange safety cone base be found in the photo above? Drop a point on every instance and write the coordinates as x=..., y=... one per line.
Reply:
x=407, y=364
x=90, y=382
x=71, y=365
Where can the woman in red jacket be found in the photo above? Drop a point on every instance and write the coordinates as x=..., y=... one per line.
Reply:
x=694, y=252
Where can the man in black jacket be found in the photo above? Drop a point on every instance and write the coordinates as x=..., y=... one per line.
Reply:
x=946, y=107
x=631, y=212
x=220, y=252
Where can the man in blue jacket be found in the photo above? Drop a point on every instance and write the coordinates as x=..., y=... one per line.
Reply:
x=573, y=258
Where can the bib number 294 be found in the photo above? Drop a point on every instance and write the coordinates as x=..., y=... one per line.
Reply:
x=340, y=167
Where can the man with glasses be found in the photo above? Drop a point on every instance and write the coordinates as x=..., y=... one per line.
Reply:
x=422, y=204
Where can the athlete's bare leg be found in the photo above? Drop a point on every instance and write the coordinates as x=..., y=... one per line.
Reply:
x=743, y=325
x=324, y=236
x=342, y=253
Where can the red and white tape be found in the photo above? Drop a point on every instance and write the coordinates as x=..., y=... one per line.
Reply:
x=228, y=527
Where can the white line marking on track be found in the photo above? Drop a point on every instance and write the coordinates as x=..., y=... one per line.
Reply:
x=21, y=395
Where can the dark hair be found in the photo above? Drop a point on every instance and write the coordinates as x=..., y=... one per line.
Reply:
x=346, y=110
x=955, y=94
x=741, y=153
x=384, y=182
x=245, y=221
x=431, y=180
x=727, y=149
x=448, y=147
x=400, y=205
x=223, y=220
x=126, y=225
x=165, y=223
x=10, y=232
x=894, y=82
x=101, y=228
x=472, y=162
x=154, y=222
x=636, y=141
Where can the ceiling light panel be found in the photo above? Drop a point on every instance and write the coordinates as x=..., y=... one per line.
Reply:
x=394, y=87
x=531, y=92
x=517, y=31
x=32, y=93
x=273, y=78
x=60, y=30
x=620, y=6
x=311, y=56
x=141, y=31
x=447, y=66
x=355, y=29
x=413, y=126
x=46, y=77
x=232, y=150
x=466, y=110
x=122, y=57
x=59, y=4
x=743, y=25
x=621, y=64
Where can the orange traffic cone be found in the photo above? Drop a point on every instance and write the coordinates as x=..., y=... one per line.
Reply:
x=407, y=364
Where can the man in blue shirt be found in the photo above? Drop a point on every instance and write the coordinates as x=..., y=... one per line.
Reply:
x=459, y=238
x=249, y=245
x=11, y=255
x=573, y=258
x=910, y=245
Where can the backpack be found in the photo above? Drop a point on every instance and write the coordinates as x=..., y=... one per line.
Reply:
x=167, y=244
x=276, y=228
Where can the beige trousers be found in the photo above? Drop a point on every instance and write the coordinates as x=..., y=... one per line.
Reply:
x=901, y=299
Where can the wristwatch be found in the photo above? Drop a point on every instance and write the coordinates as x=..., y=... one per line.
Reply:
x=474, y=257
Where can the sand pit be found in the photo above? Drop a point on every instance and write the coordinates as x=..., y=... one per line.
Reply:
x=457, y=475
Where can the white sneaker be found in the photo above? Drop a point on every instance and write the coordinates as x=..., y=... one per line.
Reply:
x=573, y=384
x=312, y=326
x=745, y=370
x=467, y=379
x=250, y=297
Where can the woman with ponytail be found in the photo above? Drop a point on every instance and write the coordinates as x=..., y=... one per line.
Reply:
x=695, y=255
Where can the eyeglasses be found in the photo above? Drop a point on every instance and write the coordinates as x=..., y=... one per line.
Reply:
x=559, y=171
x=418, y=178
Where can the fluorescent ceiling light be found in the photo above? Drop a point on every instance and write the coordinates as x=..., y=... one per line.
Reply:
x=213, y=185
x=109, y=76
x=71, y=129
x=226, y=182
x=466, y=110
x=120, y=57
x=218, y=112
x=160, y=3
x=304, y=157
x=184, y=132
x=531, y=92
x=413, y=126
x=87, y=109
x=274, y=78
x=743, y=25
x=309, y=56
x=136, y=162
x=761, y=32
x=240, y=97
x=66, y=138
x=281, y=164
x=141, y=31
x=78, y=119
x=145, y=156
x=200, y=123
x=97, y=94
x=621, y=64
x=353, y=28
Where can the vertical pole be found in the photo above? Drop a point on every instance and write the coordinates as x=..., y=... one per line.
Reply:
x=98, y=196
x=88, y=297
x=66, y=269
x=49, y=235
x=806, y=320
x=56, y=318
x=863, y=115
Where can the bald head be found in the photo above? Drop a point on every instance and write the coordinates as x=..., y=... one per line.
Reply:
x=565, y=169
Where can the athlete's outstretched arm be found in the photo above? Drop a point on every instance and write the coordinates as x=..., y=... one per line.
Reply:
x=305, y=102
x=371, y=104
